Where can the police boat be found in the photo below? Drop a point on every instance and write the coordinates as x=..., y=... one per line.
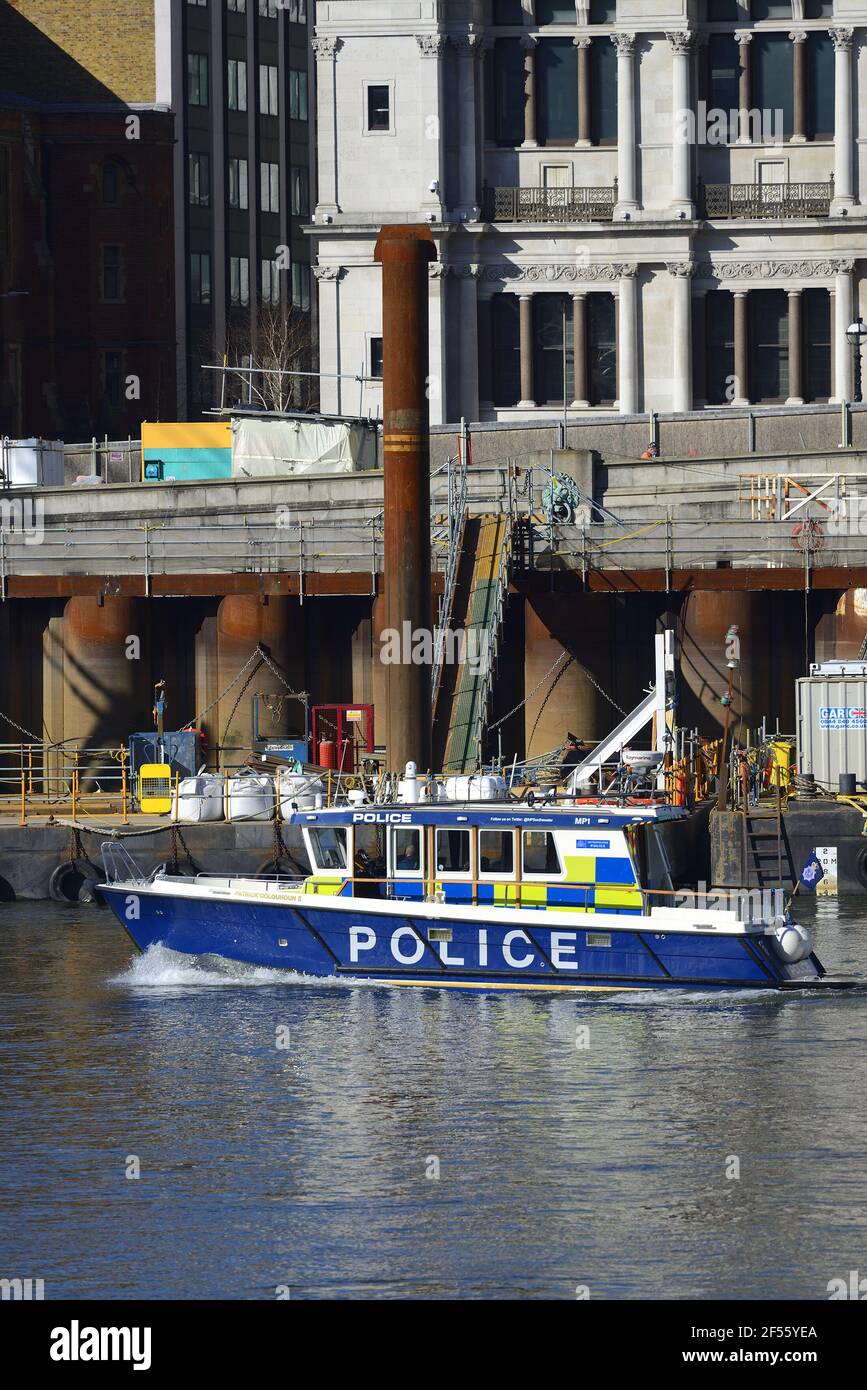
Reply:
x=493, y=895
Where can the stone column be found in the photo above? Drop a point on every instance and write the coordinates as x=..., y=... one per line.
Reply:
x=681, y=202
x=843, y=145
x=583, y=47
x=437, y=338
x=430, y=82
x=795, y=396
x=525, y=303
x=744, y=38
x=325, y=49
x=799, y=124
x=468, y=276
x=486, y=353
x=742, y=369
x=626, y=199
x=843, y=316
x=328, y=278
x=579, y=349
x=699, y=347
x=681, y=273
x=627, y=340
x=528, y=43
x=469, y=48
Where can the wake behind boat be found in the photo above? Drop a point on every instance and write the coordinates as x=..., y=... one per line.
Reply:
x=469, y=895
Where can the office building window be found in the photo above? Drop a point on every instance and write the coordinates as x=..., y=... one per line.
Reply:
x=378, y=107
x=111, y=275
x=300, y=197
x=773, y=78
x=200, y=180
x=557, y=91
x=820, y=87
x=603, y=92
x=268, y=9
x=509, y=95
x=723, y=60
x=200, y=277
x=505, y=315
x=202, y=4
x=270, y=282
x=268, y=102
x=301, y=285
x=720, y=346
x=237, y=183
x=238, y=6
x=603, y=11
x=112, y=377
x=297, y=94
x=269, y=185
x=816, y=347
x=375, y=368
x=197, y=79
x=769, y=345
x=110, y=184
x=552, y=332
x=236, y=84
x=601, y=349
x=239, y=280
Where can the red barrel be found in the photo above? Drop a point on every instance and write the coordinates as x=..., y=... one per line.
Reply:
x=328, y=754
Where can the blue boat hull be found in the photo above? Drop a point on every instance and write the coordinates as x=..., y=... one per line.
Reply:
x=320, y=942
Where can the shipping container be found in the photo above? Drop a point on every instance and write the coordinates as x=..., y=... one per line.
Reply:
x=832, y=727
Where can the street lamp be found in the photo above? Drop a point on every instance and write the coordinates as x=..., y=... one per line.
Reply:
x=856, y=333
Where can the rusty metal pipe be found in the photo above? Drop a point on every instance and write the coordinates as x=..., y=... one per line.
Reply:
x=404, y=253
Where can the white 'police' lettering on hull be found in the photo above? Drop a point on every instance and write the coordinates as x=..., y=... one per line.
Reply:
x=407, y=947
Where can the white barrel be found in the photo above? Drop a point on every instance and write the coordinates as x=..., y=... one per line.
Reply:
x=251, y=797
x=793, y=943
x=298, y=790
x=200, y=798
x=477, y=788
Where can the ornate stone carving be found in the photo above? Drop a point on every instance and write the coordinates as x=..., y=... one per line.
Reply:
x=774, y=270
x=430, y=45
x=681, y=269
x=545, y=272
x=466, y=272
x=744, y=35
x=582, y=41
x=325, y=45
x=842, y=39
x=682, y=42
x=624, y=43
x=798, y=36
x=437, y=270
x=328, y=272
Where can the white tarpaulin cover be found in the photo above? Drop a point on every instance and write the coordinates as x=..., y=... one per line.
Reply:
x=269, y=448
x=32, y=462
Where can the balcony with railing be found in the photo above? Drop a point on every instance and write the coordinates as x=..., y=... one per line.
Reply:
x=773, y=202
x=549, y=204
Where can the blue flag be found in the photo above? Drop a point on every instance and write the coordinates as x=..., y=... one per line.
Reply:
x=812, y=872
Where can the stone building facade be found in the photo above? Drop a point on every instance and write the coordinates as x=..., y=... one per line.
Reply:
x=638, y=204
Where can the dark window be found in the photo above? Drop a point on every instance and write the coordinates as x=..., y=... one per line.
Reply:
x=111, y=274
x=719, y=11
x=496, y=851
x=816, y=318
x=508, y=92
x=557, y=91
x=603, y=92
x=508, y=12
x=453, y=851
x=769, y=345
x=109, y=184
x=720, y=342
x=819, y=9
x=406, y=850
x=723, y=72
x=200, y=180
x=376, y=357
x=552, y=330
x=554, y=12
x=771, y=9
x=200, y=277
x=603, y=11
x=601, y=349
x=820, y=86
x=540, y=853
x=197, y=79
x=378, y=108
x=773, y=79
x=507, y=349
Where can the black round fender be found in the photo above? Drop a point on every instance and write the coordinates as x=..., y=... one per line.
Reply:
x=74, y=881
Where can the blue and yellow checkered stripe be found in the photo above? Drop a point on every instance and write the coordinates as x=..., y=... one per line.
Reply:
x=607, y=884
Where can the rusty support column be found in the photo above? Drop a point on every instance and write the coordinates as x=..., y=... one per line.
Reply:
x=404, y=253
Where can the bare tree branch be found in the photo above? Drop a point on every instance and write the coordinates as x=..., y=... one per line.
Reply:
x=282, y=344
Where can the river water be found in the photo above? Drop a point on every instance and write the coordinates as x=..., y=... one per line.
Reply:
x=352, y=1141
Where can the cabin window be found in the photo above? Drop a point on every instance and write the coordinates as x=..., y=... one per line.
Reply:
x=496, y=852
x=453, y=851
x=329, y=847
x=540, y=853
x=406, y=851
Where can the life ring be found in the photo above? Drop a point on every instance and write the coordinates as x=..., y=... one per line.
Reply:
x=74, y=881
